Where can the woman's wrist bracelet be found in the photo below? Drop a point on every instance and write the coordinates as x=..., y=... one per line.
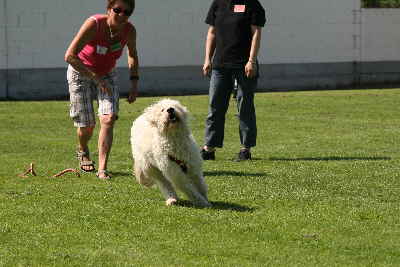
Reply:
x=134, y=77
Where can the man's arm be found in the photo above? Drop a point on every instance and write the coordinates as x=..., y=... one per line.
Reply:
x=210, y=49
x=251, y=67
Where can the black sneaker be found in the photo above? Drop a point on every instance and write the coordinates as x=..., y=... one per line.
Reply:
x=244, y=154
x=207, y=155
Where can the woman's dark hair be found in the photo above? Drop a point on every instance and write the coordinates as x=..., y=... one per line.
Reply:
x=129, y=3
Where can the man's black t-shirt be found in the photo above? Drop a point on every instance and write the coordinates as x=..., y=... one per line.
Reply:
x=232, y=20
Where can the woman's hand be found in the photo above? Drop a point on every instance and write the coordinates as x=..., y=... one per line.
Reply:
x=103, y=85
x=250, y=69
x=133, y=94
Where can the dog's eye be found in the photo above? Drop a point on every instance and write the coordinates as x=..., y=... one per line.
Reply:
x=162, y=110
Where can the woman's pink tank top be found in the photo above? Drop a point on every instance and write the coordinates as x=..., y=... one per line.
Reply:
x=99, y=55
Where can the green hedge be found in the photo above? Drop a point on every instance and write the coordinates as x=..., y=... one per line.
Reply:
x=381, y=3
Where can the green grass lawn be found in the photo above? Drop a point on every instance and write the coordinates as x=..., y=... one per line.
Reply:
x=323, y=189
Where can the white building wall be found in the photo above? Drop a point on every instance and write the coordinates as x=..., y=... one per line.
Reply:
x=39, y=31
x=299, y=36
x=380, y=34
x=3, y=37
x=172, y=33
x=309, y=31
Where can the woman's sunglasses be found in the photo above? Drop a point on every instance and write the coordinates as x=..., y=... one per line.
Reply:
x=118, y=10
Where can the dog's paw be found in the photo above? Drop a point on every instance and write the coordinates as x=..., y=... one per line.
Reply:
x=171, y=201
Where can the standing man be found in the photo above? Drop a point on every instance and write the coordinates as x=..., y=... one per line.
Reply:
x=232, y=46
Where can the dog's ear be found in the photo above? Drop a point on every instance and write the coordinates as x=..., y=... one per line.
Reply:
x=184, y=111
x=151, y=115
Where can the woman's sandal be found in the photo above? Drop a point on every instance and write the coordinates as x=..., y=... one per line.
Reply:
x=85, y=163
x=106, y=175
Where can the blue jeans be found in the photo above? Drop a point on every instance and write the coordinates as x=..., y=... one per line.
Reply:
x=221, y=86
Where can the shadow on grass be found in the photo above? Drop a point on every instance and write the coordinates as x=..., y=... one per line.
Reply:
x=213, y=173
x=217, y=205
x=220, y=205
x=234, y=173
x=118, y=173
x=333, y=158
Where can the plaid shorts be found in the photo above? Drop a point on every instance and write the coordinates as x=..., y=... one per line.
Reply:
x=83, y=91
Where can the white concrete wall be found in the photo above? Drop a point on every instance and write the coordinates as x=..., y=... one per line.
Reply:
x=172, y=33
x=309, y=31
x=39, y=31
x=380, y=34
x=306, y=44
x=3, y=54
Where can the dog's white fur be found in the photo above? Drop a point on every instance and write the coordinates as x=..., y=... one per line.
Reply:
x=166, y=154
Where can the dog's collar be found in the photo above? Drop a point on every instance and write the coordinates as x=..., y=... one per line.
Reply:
x=180, y=163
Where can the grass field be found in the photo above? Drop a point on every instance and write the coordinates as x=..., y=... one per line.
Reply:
x=323, y=189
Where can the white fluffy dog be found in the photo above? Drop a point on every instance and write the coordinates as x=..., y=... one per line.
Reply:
x=166, y=154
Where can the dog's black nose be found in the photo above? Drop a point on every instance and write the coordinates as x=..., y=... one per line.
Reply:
x=172, y=115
